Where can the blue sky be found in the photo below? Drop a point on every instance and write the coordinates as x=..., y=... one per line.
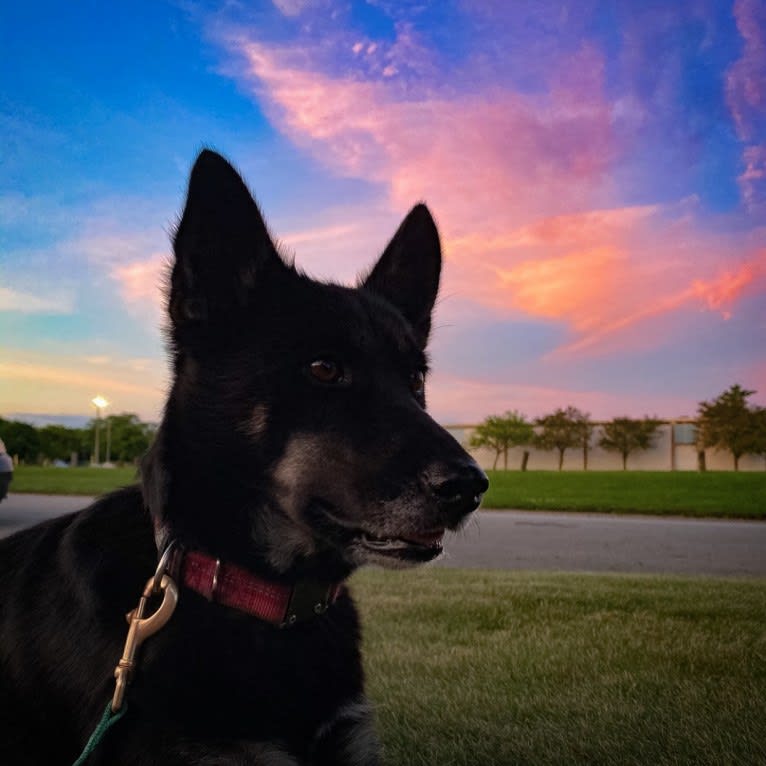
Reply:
x=598, y=172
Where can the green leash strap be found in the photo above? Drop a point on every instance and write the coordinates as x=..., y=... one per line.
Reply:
x=107, y=720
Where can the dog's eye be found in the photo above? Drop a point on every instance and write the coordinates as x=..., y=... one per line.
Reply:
x=418, y=383
x=326, y=371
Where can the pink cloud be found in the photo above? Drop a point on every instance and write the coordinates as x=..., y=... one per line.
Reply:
x=499, y=152
x=522, y=188
x=142, y=283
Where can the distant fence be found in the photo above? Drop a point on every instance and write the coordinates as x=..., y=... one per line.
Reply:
x=674, y=450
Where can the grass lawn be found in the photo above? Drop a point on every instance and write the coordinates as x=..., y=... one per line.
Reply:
x=714, y=493
x=486, y=668
x=736, y=495
x=70, y=481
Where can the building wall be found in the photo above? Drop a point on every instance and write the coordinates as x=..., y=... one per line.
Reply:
x=659, y=458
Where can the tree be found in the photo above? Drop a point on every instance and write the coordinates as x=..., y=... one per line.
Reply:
x=626, y=435
x=500, y=432
x=729, y=423
x=129, y=437
x=20, y=439
x=564, y=429
x=58, y=442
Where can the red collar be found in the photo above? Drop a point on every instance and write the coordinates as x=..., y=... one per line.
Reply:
x=236, y=587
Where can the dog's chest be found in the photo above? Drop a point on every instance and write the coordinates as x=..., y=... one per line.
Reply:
x=246, y=680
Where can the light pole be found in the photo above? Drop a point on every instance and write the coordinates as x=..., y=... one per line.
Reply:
x=99, y=403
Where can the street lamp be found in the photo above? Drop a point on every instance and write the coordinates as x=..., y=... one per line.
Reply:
x=100, y=403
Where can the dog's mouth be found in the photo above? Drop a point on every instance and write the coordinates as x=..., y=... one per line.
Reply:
x=413, y=546
x=422, y=546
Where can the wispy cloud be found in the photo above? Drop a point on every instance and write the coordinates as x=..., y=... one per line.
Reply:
x=67, y=383
x=746, y=78
x=501, y=150
x=746, y=97
x=126, y=242
x=29, y=303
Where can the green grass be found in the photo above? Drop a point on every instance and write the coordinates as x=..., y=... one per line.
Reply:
x=490, y=668
x=725, y=494
x=70, y=481
x=720, y=493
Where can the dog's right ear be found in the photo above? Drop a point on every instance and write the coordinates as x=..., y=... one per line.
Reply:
x=222, y=246
x=407, y=274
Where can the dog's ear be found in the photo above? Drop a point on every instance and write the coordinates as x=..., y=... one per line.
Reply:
x=222, y=247
x=407, y=274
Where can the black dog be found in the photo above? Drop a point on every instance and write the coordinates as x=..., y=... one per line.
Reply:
x=294, y=448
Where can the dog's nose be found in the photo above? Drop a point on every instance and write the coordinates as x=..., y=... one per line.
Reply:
x=460, y=492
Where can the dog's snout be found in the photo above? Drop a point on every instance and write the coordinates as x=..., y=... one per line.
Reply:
x=458, y=491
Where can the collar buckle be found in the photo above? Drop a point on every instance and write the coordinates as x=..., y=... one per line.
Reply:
x=308, y=599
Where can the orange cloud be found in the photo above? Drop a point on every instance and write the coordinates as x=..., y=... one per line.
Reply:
x=569, y=286
x=720, y=293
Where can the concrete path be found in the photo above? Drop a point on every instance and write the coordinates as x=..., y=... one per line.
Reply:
x=540, y=540
x=579, y=542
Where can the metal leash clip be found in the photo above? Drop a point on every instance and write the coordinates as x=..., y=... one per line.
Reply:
x=142, y=627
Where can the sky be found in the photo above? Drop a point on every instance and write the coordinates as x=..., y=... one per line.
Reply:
x=597, y=171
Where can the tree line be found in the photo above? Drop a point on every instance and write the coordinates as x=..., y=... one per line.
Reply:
x=129, y=438
x=728, y=422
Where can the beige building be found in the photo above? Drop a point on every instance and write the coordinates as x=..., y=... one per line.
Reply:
x=674, y=450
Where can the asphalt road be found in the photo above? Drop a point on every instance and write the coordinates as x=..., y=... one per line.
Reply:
x=539, y=540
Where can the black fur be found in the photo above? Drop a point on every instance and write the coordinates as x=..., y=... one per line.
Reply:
x=261, y=463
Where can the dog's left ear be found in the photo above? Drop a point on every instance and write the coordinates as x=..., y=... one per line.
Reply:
x=407, y=274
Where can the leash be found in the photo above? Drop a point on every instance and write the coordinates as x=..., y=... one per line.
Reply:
x=139, y=630
x=107, y=720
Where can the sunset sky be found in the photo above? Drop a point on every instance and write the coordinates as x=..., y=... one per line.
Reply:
x=597, y=171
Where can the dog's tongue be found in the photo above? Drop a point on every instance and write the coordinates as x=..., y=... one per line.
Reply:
x=426, y=538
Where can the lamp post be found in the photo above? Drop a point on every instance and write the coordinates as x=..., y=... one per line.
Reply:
x=99, y=403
